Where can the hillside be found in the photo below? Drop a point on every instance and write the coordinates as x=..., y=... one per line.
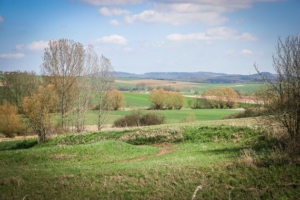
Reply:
x=200, y=77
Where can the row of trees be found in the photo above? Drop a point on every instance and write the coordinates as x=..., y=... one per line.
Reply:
x=73, y=79
x=221, y=97
x=162, y=99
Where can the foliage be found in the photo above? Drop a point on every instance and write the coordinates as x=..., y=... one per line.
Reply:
x=157, y=97
x=37, y=109
x=16, y=86
x=139, y=119
x=168, y=88
x=199, y=103
x=248, y=112
x=221, y=97
x=281, y=95
x=165, y=99
x=115, y=99
x=217, y=133
x=10, y=122
x=18, y=144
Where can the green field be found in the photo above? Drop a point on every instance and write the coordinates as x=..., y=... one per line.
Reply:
x=150, y=163
x=248, y=88
x=172, y=116
x=142, y=100
x=168, y=161
x=137, y=99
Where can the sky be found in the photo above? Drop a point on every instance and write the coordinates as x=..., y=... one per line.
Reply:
x=139, y=36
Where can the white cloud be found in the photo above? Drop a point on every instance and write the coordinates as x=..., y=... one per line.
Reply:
x=111, y=2
x=220, y=33
x=176, y=18
x=1, y=19
x=113, y=39
x=177, y=12
x=246, y=52
x=35, y=46
x=114, y=22
x=112, y=11
x=12, y=56
x=19, y=47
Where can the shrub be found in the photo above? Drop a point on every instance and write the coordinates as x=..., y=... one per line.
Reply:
x=199, y=103
x=152, y=118
x=139, y=119
x=10, y=123
x=248, y=112
x=115, y=99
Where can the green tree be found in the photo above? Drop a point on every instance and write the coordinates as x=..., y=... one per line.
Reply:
x=17, y=85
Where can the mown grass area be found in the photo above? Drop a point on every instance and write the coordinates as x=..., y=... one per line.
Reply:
x=172, y=116
x=142, y=100
x=137, y=99
x=167, y=163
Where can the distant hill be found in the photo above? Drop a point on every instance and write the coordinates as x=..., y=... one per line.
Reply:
x=202, y=77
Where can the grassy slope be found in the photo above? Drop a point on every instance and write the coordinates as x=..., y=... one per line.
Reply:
x=103, y=166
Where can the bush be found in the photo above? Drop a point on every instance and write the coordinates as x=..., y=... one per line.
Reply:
x=248, y=112
x=152, y=118
x=138, y=119
x=10, y=123
x=199, y=103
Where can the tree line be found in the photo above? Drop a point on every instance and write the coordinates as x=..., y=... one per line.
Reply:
x=73, y=79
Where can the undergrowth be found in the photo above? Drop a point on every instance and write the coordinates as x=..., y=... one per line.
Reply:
x=143, y=136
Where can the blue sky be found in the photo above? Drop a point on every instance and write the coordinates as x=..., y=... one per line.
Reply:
x=140, y=36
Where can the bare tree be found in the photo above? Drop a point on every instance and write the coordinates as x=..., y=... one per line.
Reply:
x=104, y=83
x=63, y=62
x=87, y=87
x=281, y=95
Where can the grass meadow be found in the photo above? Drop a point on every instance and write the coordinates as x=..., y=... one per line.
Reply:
x=172, y=116
x=204, y=158
x=226, y=162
